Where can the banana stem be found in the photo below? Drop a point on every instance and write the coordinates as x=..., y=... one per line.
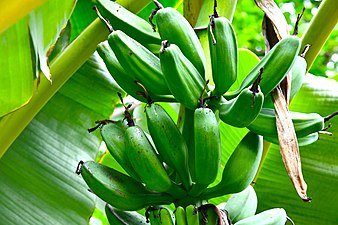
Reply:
x=327, y=118
x=320, y=29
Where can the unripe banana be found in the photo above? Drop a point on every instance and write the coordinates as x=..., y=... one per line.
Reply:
x=298, y=72
x=180, y=216
x=241, y=205
x=138, y=62
x=242, y=110
x=125, y=80
x=240, y=169
x=133, y=25
x=146, y=164
x=160, y=216
x=183, y=79
x=192, y=215
x=276, y=216
x=276, y=64
x=309, y=139
x=120, y=217
x=223, y=53
x=208, y=152
x=118, y=189
x=113, y=136
x=302, y=141
x=304, y=123
x=173, y=27
x=169, y=142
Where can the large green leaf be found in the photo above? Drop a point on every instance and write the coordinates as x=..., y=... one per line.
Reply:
x=16, y=69
x=38, y=181
x=39, y=29
x=319, y=162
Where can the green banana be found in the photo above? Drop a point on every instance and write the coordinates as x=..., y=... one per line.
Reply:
x=302, y=141
x=169, y=142
x=208, y=152
x=241, y=205
x=188, y=123
x=120, y=217
x=304, y=123
x=242, y=110
x=276, y=64
x=133, y=25
x=113, y=136
x=146, y=164
x=180, y=216
x=192, y=215
x=141, y=64
x=173, y=27
x=276, y=216
x=298, y=72
x=160, y=216
x=223, y=53
x=309, y=139
x=118, y=189
x=124, y=80
x=240, y=169
x=184, y=81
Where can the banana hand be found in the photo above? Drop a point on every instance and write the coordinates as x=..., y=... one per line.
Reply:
x=169, y=142
x=118, y=189
x=146, y=164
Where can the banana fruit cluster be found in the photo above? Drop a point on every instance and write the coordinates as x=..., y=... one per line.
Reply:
x=167, y=163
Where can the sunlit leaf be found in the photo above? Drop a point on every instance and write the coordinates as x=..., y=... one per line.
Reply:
x=12, y=11
x=16, y=69
x=38, y=180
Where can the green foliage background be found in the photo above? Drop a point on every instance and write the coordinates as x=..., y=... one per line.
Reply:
x=247, y=24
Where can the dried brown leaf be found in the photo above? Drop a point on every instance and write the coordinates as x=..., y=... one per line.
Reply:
x=288, y=144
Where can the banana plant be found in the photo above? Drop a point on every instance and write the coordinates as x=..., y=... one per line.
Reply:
x=54, y=86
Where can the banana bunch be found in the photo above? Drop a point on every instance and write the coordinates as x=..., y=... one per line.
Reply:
x=169, y=163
